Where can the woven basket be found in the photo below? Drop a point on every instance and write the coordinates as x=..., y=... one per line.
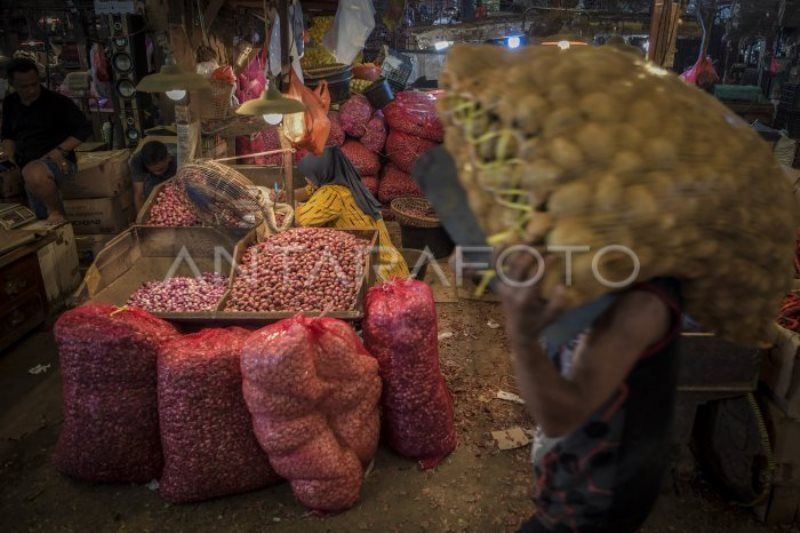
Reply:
x=406, y=211
x=216, y=103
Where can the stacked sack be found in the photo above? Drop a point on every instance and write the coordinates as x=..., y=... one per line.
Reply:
x=384, y=145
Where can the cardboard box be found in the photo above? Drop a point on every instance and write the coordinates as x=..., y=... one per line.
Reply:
x=58, y=262
x=90, y=245
x=10, y=181
x=101, y=215
x=780, y=371
x=100, y=175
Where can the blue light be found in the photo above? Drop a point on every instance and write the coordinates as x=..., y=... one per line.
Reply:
x=513, y=42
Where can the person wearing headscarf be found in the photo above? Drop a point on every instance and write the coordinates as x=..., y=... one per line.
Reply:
x=340, y=200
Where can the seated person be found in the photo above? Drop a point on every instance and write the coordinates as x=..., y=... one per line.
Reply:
x=150, y=166
x=40, y=132
x=340, y=200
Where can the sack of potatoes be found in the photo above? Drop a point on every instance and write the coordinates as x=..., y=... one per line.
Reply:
x=594, y=147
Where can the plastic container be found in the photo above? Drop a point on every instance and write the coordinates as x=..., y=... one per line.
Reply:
x=379, y=94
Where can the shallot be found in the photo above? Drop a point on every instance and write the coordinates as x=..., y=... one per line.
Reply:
x=172, y=209
x=181, y=294
x=302, y=269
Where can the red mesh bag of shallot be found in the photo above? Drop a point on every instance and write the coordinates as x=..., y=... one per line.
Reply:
x=210, y=449
x=395, y=184
x=404, y=150
x=313, y=392
x=108, y=370
x=400, y=332
x=414, y=113
x=371, y=183
x=366, y=161
x=375, y=136
x=336, y=136
x=354, y=115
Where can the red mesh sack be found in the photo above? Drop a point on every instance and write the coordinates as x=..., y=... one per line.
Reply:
x=354, y=115
x=313, y=392
x=367, y=71
x=375, y=136
x=404, y=150
x=336, y=137
x=414, y=113
x=108, y=370
x=400, y=332
x=371, y=183
x=366, y=161
x=210, y=449
x=395, y=184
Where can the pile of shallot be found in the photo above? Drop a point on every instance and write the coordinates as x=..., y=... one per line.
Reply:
x=180, y=295
x=171, y=209
x=302, y=269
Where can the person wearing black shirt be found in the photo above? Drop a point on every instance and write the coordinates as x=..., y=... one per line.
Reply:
x=40, y=132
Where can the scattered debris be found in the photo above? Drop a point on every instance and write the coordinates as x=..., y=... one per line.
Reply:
x=445, y=335
x=493, y=324
x=510, y=397
x=512, y=438
x=153, y=485
x=39, y=369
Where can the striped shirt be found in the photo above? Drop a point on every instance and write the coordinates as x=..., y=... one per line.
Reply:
x=334, y=206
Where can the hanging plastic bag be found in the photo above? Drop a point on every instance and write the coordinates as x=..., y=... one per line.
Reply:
x=313, y=133
x=355, y=20
x=702, y=73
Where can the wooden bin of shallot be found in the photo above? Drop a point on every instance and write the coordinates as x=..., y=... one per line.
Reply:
x=354, y=314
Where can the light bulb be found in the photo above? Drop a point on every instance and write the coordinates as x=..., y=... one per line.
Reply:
x=176, y=95
x=273, y=119
x=564, y=45
x=513, y=42
x=441, y=45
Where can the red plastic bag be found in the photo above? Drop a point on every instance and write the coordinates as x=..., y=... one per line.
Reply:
x=400, y=332
x=336, y=137
x=375, y=135
x=703, y=74
x=108, y=370
x=404, y=150
x=317, y=124
x=366, y=161
x=224, y=73
x=367, y=71
x=210, y=449
x=354, y=114
x=395, y=184
x=313, y=392
x=414, y=113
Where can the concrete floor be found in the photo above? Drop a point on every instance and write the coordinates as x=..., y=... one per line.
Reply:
x=478, y=488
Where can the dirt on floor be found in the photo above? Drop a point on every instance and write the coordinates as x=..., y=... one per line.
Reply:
x=478, y=488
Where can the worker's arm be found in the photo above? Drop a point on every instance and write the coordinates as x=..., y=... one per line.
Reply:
x=138, y=195
x=324, y=207
x=560, y=404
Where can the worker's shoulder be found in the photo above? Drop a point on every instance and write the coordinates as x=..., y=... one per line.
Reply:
x=11, y=101
x=337, y=190
x=56, y=97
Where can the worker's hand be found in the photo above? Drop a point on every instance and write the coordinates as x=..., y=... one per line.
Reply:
x=527, y=313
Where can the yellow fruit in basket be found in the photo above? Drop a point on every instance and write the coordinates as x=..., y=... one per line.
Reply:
x=613, y=151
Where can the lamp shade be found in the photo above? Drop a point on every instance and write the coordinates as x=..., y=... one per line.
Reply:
x=271, y=102
x=172, y=78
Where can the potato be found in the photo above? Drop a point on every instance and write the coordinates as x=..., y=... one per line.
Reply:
x=614, y=153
